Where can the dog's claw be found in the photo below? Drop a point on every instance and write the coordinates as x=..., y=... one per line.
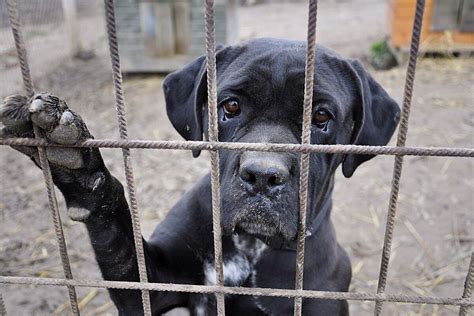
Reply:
x=45, y=110
x=66, y=118
x=36, y=106
x=14, y=115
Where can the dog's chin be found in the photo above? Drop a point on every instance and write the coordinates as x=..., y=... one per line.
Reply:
x=269, y=234
x=265, y=226
x=259, y=216
x=257, y=228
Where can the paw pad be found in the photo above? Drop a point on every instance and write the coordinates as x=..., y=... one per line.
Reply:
x=78, y=214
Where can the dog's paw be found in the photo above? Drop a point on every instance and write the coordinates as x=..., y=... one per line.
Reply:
x=57, y=123
x=15, y=117
x=78, y=172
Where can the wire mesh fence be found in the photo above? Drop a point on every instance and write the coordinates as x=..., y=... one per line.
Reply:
x=213, y=146
x=40, y=20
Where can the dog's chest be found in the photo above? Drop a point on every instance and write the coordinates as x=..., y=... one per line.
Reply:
x=239, y=267
x=238, y=263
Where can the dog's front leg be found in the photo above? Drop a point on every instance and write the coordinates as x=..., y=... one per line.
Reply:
x=92, y=194
x=110, y=230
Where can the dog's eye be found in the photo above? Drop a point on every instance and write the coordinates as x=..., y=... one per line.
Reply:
x=321, y=117
x=231, y=108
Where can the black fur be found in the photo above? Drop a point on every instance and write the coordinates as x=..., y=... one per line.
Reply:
x=267, y=77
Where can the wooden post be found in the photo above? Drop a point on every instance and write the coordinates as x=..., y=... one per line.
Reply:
x=232, y=22
x=148, y=27
x=70, y=16
x=165, y=41
x=182, y=25
x=157, y=26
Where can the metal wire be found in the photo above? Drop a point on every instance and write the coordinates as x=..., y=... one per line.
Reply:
x=122, y=124
x=43, y=160
x=3, y=309
x=305, y=140
x=288, y=293
x=267, y=147
x=468, y=284
x=401, y=140
x=20, y=46
x=214, y=154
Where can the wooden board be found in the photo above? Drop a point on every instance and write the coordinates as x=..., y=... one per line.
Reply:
x=178, y=26
x=401, y=14
x=467, y=16
x=445, y=15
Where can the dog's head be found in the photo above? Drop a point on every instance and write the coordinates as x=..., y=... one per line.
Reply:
x=260, y=99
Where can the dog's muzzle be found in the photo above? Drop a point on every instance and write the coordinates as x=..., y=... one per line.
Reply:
x=258, y=218
x=266, y=193
x=264, y=173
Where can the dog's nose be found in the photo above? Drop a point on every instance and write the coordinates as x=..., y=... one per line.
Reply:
x=263, y=176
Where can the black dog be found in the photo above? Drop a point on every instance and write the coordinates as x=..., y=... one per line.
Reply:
x=260, y=95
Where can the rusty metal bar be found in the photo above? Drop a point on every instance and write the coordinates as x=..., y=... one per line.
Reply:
x=214, y=154
x=20, y=46
x=288, y=293
x=127, y=160
x=468, y=284
x=269, y=147
x=3, y=309
x=401, y=140
x=305, y=140
x=43, y=160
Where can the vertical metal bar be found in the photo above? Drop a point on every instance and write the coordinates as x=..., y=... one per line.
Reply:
x=467, y=293
x=58, y=226
x=43, y=160
x=401, y=140
x=122, y=123
x=20, y=46
x=3, y=309
x=305, y=139
x=214, y=137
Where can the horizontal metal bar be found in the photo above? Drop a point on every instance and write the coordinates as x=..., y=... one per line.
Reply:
x=188, y=288
x=188, y=145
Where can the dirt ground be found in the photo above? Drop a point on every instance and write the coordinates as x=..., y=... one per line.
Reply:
x=434, y=232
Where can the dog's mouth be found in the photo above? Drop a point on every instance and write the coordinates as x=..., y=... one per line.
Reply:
x=262, y=218
x=258, y=226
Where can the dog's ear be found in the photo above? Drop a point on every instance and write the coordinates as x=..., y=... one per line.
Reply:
x=376, y=116
x=185, y=92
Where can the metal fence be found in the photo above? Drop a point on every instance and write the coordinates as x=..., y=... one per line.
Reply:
x=213, y=146
x=40, y=19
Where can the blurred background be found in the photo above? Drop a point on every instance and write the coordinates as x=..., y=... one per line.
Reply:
x=68, y=54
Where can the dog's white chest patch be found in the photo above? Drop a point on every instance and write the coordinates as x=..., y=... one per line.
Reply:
x=201, y=307
x=236, y=270
x=239, y=266
x=253, y=248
